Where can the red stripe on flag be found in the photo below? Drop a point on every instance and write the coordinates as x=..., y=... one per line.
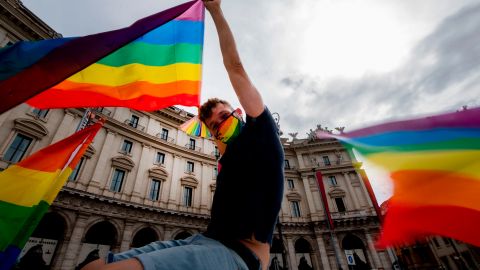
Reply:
x=404, y=224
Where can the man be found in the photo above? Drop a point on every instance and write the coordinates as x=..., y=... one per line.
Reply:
x=249, y=187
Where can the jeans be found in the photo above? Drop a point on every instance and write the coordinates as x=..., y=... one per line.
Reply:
x=197, y=252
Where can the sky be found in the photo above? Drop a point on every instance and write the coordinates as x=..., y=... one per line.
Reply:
x=337, y=63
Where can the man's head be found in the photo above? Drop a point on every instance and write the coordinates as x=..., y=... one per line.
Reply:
x=223, y=122
x=213, y=112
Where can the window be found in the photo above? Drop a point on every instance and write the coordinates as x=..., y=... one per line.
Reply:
x=340, y=205
x=164, y=134
x=74, y=175
x=435, y=241
x=117, y=180
x=40, y=113
x=160, y=159
x=190, y=166
x=332, y=180
x=187, y=196
x=216, y=152
x=127, y=146
x=154, y=190
x=295, y=209
x=17, y=149
x=191, y=145
x=287, y=164
x=134, y=121
x=215, y=172
x=447, y=241
x=291, y=184
x=326, y=160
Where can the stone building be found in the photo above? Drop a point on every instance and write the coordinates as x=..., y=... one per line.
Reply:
x=18, y=23
x=143, y=180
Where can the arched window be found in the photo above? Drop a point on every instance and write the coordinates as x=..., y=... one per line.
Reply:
x=144, y=237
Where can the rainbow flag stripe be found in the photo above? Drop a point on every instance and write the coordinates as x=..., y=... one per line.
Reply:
x=30, y=186
x=195, y=127
x=435, y=167
x=155, y=63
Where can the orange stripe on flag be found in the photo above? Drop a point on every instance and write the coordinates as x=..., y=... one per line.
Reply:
x=133, y=90
x=421, y=188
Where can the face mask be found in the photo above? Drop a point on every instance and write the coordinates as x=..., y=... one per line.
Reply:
x=229, y=128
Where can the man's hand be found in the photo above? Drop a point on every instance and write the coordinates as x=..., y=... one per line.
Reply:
x=212, y=4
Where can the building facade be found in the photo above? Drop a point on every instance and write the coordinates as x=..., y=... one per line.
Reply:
x=143, y=180
x=18, y=23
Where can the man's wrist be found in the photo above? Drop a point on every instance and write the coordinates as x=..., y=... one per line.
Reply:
x=215, y=10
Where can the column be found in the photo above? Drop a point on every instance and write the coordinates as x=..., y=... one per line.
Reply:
x=136, y=188
x=75, y=242
x=207, y=177
x=301, y=165
x=127, y=236
x=291, y=253
x=371, y=247
x=175, y=183
x=339, y=252
x=64, y=129
x=364, y=192
x=311, y=204
x=167, y=235
x=102, y=169
x=350, y=189
x=323, y=251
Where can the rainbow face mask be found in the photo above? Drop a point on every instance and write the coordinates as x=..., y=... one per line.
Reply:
x=229, y=128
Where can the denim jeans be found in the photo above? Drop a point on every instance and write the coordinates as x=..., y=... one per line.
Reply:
x=197, y=252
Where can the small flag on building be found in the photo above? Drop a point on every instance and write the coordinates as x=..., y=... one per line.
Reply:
x=30, y=186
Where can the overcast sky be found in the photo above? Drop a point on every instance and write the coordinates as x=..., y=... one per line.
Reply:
x=336, y=63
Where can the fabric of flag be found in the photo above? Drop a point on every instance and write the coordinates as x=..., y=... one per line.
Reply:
x=30, y=186
x=321, y=186
x=195, y=127
x=154, y=63
x=434, y=163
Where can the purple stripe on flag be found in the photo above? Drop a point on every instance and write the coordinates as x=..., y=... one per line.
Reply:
x=469, y=118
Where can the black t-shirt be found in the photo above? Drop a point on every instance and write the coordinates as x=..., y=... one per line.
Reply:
x=249, y=189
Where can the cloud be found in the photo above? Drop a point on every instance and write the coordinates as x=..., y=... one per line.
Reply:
x=442, y=73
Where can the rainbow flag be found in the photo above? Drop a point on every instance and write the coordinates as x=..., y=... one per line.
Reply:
x=434, y=163
x=30, y=186
x=154, y=63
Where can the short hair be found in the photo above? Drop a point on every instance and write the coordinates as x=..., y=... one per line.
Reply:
x=205, y=110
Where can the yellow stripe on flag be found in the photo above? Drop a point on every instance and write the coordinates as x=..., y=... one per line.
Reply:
x=116, y=76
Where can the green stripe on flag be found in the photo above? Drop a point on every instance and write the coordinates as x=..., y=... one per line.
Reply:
x=18, y=222
x=461, y=144
x=154, y=55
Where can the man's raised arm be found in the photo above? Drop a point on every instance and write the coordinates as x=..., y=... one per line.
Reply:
x=247, y=94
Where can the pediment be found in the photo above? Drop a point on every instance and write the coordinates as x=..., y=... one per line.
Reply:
x=189, y=181
x=30, y=127
x=158, y=172
x=123, y=162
